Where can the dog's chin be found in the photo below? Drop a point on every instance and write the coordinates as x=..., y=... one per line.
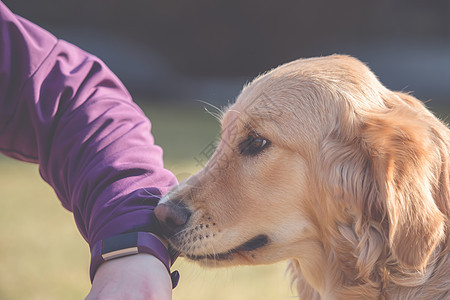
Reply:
x=242, y=254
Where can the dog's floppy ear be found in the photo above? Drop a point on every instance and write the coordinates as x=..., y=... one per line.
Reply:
x=406, y=164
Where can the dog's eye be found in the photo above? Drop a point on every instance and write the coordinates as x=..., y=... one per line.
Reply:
x=253, y=144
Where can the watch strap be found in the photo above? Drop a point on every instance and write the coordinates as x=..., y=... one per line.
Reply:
x=129, y=244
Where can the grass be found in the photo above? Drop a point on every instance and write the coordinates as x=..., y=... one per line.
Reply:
x=42, y=255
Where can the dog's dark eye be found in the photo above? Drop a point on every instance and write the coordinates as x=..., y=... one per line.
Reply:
x=253, y=144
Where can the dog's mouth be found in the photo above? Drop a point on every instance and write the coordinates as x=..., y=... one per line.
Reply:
x=251, y=245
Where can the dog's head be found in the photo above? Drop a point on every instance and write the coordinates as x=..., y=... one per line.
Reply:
x=316, y=154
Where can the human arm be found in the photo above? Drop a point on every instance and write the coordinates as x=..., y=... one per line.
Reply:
x=64, y=109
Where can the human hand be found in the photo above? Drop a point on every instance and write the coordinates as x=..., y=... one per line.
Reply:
x=135, y=277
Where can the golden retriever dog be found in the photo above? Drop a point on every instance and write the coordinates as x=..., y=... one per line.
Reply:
x=320, y=164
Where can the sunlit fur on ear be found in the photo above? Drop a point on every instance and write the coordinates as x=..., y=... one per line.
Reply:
x=389, y=190
x=358, y=214
x=407, y=164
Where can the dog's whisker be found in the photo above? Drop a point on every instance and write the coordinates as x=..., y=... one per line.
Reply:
x=212, y=105
x=151, y=194
x=217, y=115
x=190, y=186
x=236, y=111
x=214, y=255
x=180, y=233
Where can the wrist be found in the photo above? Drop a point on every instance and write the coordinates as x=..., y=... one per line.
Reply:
x=140, y=276
x=129, y=244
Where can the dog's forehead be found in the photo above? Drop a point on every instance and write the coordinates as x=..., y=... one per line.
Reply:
x=263, y=106
x=278, y=114
x=245, y=116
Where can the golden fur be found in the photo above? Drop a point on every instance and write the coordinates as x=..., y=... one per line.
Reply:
x=353, y=186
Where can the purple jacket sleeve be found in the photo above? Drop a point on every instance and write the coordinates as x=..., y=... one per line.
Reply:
x=64, y=109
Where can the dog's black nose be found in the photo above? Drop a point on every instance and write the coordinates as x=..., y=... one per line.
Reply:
x=172, y=217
